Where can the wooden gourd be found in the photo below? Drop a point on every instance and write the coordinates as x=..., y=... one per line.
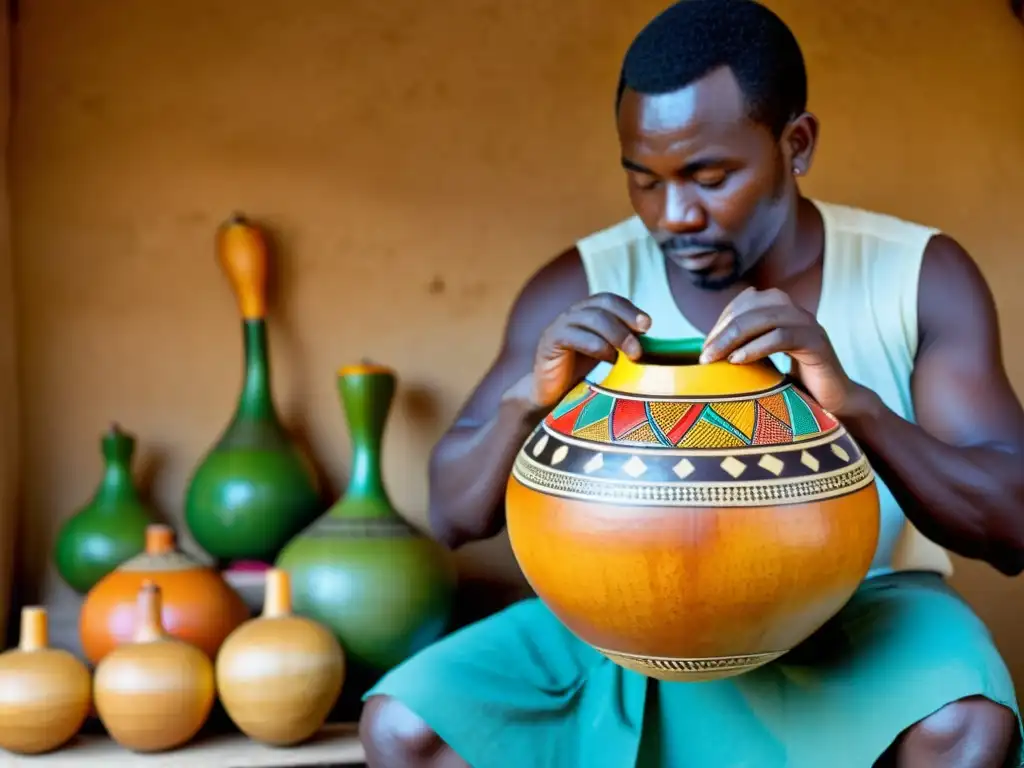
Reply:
x=155, y=692
x=692, y=521
x=111, y=528
x=254, y=489
x=198, y=606
x=279, y=675
x=45, y=693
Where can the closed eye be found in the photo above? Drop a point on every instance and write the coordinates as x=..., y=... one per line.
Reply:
x=711, y=178
x=645, y=183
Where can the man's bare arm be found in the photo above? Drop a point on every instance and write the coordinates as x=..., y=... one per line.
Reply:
x=555, y=334
x=469, y=466
x=958, y=473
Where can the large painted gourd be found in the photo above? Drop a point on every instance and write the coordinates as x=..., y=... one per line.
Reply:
x=692, y=521
x=254, y=490
x=45, y=693
x=111, y=528
x=384, y=588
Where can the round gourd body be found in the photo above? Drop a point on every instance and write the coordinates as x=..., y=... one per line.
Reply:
x=692, y=522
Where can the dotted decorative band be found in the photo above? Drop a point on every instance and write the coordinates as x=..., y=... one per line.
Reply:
x=684, y=494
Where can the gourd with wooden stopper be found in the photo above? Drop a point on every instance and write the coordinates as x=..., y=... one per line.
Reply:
x=383, y=587
x=254, y=490
x=155, y=692
x=45, y=693
x=111, y=528
x=278, y=675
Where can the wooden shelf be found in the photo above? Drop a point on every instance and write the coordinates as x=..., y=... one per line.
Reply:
x=335, y=745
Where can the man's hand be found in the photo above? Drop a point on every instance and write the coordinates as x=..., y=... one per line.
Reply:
x=757, y=324
x=590, y=331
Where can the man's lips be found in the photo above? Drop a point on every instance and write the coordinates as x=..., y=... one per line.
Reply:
x=695, y=261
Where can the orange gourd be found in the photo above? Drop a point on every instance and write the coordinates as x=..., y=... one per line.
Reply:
x=692, y=521
x=198, y=606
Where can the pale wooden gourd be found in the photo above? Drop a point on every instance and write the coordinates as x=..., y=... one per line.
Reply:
x=45, y=693
x=279, y=675
x=155, y=692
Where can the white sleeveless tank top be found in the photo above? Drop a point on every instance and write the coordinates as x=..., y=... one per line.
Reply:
x=868, y=307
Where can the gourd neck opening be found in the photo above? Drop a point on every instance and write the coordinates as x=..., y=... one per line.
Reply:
x=671, y=368
x=671, y=352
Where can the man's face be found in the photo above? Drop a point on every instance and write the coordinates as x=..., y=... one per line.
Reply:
x=710, y=185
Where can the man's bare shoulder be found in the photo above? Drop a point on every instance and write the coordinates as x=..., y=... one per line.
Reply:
x=953, y=294
x=564, y=280
x=548, y=292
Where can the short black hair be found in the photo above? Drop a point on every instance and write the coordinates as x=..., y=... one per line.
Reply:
x=691, y=38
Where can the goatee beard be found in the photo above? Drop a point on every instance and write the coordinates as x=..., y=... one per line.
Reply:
x=711, y=282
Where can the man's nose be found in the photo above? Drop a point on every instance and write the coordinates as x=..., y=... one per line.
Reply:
x=682, y=213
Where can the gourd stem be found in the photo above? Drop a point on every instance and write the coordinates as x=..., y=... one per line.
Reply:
x=34, y=629
x=277, y=599
x=366, y=393
x=159, y=539
x=116, y=486
x=149, y=628
x=256, y=401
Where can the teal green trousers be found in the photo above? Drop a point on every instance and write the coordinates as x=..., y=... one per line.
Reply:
x=518, y=690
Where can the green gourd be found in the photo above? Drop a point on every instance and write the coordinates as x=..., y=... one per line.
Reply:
x=254, y=490
x=111, y=528
x=380, y=585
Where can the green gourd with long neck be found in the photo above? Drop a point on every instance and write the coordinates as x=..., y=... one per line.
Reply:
x=380, y=585
x=111, y=528
x=254, y=490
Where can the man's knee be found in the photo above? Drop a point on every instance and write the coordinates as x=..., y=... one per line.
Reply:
x=974, y=731
x=394, y=735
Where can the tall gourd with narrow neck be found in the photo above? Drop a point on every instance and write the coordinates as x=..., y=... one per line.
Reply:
x=254, y=490
x=380, y=585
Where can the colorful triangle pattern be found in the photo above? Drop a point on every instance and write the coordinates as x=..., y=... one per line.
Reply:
x=596, y=416
x=627, y=415
x=800, y=416
x=769, y=429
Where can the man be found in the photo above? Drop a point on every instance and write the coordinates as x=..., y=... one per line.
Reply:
x=888, y=324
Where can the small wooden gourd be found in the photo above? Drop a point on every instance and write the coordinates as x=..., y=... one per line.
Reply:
x=45, y=693
x=155, y=692
x=279, y=675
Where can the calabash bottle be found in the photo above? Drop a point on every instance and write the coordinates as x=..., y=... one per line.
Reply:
x=254, y=490
x=383, y=587
x=111, y=528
